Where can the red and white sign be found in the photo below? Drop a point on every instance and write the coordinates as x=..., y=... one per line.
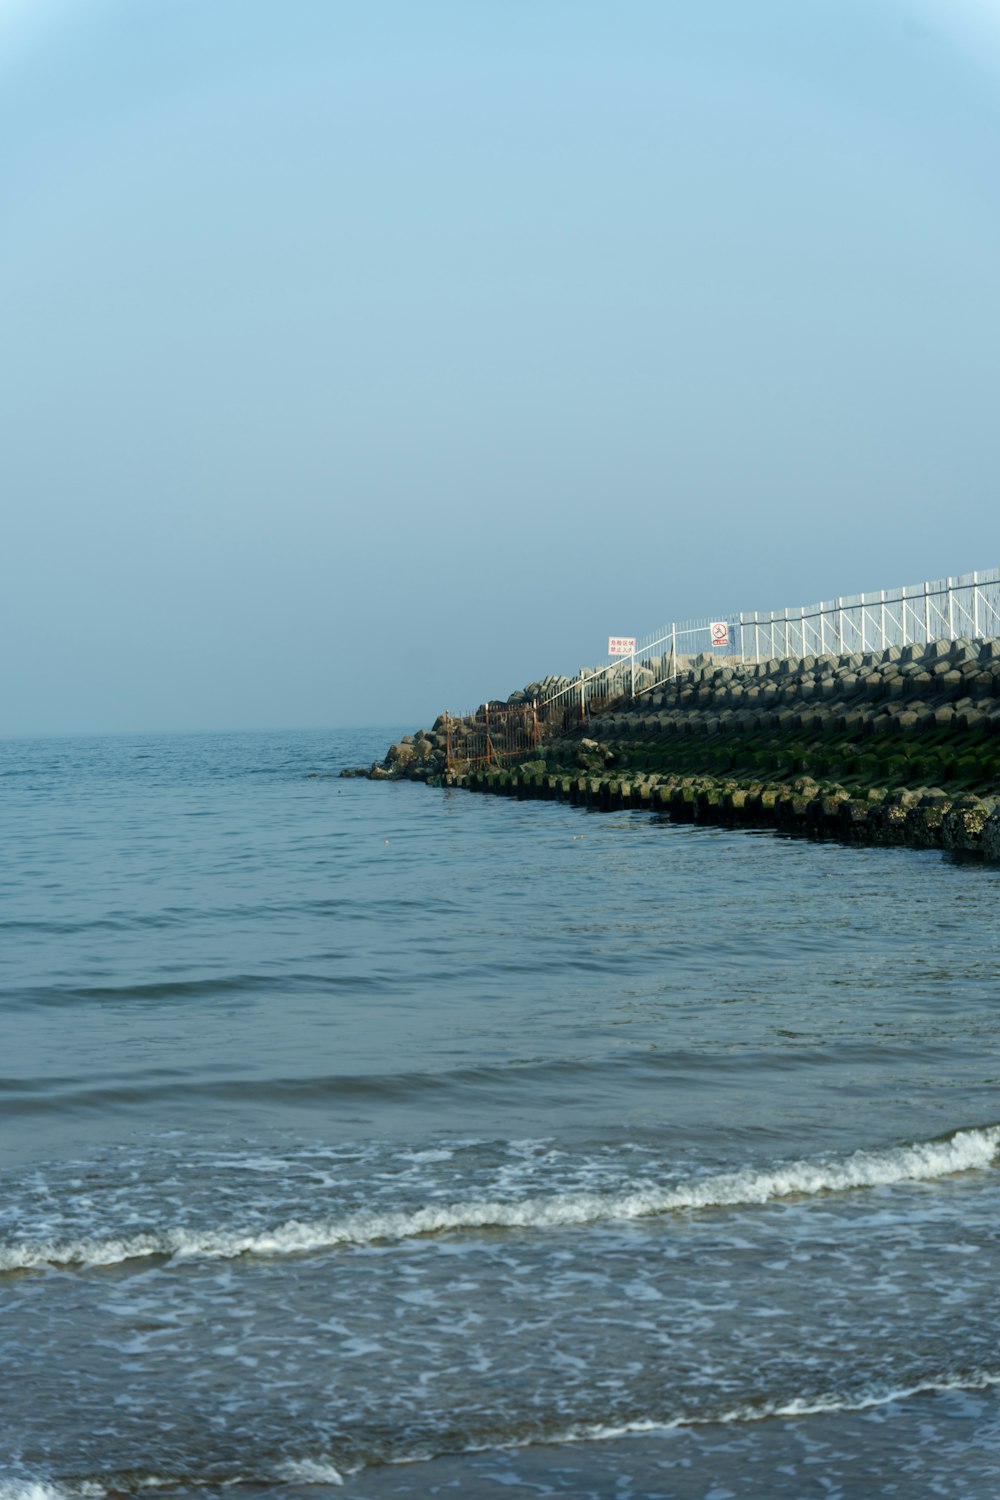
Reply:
x=719, y=632
x=621, y=645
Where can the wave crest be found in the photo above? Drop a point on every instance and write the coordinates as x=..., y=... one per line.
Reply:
x=966, y=1150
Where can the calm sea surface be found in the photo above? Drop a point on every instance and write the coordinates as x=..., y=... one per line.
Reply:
x=404, y=1142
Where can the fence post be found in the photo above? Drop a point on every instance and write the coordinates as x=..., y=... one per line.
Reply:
x=741, y=636
x=927, y=611
x=975, y=607
x=863, y=647
x=447, y=741
x=881, y=617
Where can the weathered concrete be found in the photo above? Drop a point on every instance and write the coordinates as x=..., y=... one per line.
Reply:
x=900, y=747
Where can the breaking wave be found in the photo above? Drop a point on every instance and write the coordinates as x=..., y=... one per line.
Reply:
x=964, y=1151
x=38, y=1489
x=974, y=1380
x=322, y=1471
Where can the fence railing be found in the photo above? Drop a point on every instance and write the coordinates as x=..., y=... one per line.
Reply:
x=500, y=733
x=968, y=605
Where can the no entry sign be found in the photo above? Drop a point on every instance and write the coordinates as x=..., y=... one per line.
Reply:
x=719, y=632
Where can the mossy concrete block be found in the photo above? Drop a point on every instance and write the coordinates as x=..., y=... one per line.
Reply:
x=924, y=824
x=853, y=815
x=963, y=825
x=682, y=804
x=887, y=823
x=989, y=841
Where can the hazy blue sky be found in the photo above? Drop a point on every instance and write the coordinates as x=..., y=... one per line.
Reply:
x=365, y=359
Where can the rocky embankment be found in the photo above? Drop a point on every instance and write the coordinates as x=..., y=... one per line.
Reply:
x=902, y=746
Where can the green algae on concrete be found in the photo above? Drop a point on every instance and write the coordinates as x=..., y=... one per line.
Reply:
x=901, y=747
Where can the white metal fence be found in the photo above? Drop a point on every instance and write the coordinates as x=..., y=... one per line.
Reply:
x=949, y=609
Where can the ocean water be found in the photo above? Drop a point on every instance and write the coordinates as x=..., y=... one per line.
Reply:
x=389, y=1141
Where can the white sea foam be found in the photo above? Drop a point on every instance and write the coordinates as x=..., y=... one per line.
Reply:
x=38, y=1489
x=320, y=1471
x=311, y=1471
x=964, y=1151
x=974, y=1380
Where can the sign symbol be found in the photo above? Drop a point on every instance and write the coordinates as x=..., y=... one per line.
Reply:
x=621, y=645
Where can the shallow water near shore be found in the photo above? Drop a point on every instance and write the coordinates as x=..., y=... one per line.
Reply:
x=396, y=1141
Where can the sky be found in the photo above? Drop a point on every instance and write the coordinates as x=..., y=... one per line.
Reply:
x=366, y=360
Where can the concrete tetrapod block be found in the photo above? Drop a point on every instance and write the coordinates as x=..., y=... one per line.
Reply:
x=989, y=841
x=963, y=826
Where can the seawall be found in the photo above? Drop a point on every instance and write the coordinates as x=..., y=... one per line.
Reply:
x=902, y=746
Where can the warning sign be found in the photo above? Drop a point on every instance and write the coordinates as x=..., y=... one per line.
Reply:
x=621, y=645
x=719, y=632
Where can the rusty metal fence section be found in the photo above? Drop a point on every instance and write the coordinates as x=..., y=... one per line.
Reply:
x=495, y=735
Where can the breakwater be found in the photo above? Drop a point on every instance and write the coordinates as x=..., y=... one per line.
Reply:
x=899, y=746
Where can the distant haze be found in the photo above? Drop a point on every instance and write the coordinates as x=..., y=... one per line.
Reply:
x=365, y=360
